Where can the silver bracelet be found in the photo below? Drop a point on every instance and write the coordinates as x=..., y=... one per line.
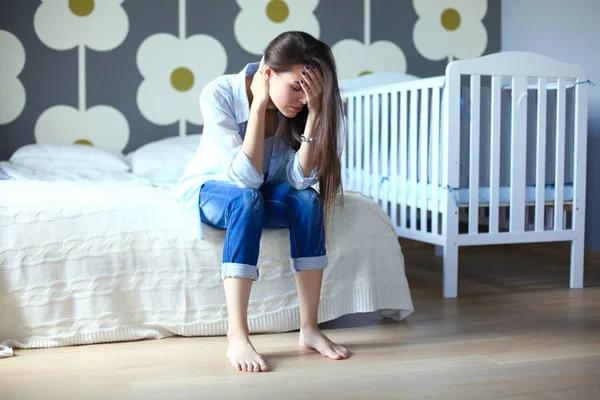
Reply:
x=305, y=139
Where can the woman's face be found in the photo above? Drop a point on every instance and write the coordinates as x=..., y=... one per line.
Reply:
x=285, y=91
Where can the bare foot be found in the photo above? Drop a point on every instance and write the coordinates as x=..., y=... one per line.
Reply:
x=315, y=339
x=242, y=354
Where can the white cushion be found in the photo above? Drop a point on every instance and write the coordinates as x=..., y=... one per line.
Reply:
x=68, y=156
x=164, y=161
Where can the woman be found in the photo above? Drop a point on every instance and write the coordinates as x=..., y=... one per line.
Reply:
x=270, y=133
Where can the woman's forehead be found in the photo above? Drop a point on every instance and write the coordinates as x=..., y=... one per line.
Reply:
x=295, y=72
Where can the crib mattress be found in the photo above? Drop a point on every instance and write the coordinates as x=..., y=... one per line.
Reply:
x=462, y=195
x=370, y=183
x=88, y=263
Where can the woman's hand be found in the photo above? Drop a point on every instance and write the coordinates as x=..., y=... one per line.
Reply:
x=260, y=85
x=312, y=83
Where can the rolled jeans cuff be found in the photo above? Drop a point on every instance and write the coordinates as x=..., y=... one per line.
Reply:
x=309, y=263
x=235, y=270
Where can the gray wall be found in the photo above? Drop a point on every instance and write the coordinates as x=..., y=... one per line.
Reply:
x=113, y=78
x=567, y=31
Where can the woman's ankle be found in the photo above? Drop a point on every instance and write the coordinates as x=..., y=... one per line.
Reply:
x=308, y=327
x=237, y=333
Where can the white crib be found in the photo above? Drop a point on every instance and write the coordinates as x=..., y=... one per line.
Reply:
x=494, y=152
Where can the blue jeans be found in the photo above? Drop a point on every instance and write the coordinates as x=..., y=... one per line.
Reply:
x=275, y=205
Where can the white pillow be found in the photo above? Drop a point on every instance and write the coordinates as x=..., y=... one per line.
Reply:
x=374, y=79
x=68, y=156
x=164, y=161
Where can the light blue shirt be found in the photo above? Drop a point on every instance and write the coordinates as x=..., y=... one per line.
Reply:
x=225, y=109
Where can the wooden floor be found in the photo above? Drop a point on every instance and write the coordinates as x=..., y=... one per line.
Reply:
x=515, y=332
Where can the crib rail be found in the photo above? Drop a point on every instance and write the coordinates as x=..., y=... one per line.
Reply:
x=494, y=152
x=529, y=75
x=393, y=144
x=407, y=142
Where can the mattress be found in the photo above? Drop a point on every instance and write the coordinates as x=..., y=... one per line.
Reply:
x=89, y=262
x=371, y=182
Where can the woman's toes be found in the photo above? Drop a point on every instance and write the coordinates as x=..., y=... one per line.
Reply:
x=332, y=354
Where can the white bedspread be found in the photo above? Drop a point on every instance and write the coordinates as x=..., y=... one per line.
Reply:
x=101, y=262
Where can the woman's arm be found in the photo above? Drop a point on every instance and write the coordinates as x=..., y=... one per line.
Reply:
x=312, y=83
x=254, y=141
x=221, y=142
x=305, y=158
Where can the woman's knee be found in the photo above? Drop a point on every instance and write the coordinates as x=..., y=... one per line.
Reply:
x=248, y=201
x=307, y=200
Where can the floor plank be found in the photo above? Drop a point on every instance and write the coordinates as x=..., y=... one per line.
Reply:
x=515, y=332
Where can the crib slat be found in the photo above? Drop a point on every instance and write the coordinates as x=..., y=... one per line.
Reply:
x=344, y=154
x=451, y=179
x=403, y=156
x=560, y=154
x=435, y=155
x=360, y=133
x=495, y=153
x=518, y=154
x=348, y=153
x=352, y=113
x=385, y=115
x=368, y=136
x=424, y=147
x=474, y=155
x=375, y=150
x=413, y=158
x=540, y=180
x=579, y=182
x=394, y=158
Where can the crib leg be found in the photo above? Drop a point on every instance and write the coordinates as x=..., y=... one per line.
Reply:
x=577, y=251
x=450, y=270
x=439, y=251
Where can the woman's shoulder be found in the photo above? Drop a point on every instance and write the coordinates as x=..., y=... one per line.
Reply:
x=219, y=89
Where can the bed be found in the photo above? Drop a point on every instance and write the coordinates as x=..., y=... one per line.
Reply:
x=492, y=152
x=90, y=256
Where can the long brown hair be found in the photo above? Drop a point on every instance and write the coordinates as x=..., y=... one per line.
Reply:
x=299, y=48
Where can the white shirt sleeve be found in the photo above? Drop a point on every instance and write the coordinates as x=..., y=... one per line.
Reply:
x=224, y=143
x=295, y=175
x=243, y=173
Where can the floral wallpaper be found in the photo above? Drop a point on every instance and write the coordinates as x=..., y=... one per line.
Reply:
x=80, y=25
x=120, y=73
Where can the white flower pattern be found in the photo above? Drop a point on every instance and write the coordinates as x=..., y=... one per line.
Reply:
x=12, y=92
x=175, y=71
x=100, y=25
x=354, y=58
x=450, y=28
x=99, y=126
x=260, y=21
